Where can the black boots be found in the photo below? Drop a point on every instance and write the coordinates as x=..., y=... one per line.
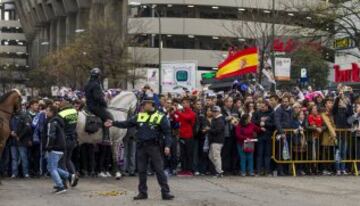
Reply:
x=168, y=196
x=106, y=134
x=141, y=196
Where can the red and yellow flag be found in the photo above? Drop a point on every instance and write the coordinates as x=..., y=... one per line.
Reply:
x=242, y=62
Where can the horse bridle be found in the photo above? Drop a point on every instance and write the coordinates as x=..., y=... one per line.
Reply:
x=6, y=112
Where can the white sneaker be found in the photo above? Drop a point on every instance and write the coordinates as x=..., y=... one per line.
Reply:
x=13, y=176
x=108, y=174
x=118, y=175
x=197, y=173
x=102, y=174
x=27, y=176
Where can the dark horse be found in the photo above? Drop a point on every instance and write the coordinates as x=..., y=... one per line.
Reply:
x=9, y=104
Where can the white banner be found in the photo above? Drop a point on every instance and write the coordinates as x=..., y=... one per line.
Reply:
x=149, y=76
x=177, y=76
x=282, y=69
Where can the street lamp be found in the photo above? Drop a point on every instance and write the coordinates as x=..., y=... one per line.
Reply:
x=156, y=12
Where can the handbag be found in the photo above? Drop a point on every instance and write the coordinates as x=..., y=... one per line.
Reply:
x=248, y=146
x=285, y=150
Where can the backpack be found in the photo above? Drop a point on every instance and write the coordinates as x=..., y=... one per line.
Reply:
x=92, y=124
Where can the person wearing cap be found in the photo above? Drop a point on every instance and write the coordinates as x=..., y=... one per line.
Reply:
x=151, y=127
x=95, y=99
x=216, y=139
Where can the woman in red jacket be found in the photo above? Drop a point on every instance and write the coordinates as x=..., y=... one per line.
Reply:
x=186, y=117
x=245, y=131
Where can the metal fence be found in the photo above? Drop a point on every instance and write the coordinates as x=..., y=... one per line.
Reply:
x=314, y=150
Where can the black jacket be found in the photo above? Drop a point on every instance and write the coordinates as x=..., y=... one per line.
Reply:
x=341, y=114
x=229, y=128
x=216, y=132
x=55, y=135
x=21, y=124
x=94, y=94
x=269, y=123
x=147, y=132
x=198, y=127
x=283, y=118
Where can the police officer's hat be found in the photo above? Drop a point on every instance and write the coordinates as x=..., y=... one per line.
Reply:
x=95, y=72
x=148, y=98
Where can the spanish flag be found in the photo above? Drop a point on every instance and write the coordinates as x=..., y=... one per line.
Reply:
x=242, y=62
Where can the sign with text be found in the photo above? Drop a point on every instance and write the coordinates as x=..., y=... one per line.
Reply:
x=282, y=69
x=343, y=43
x=177, y=75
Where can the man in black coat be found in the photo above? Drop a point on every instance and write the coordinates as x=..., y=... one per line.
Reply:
x=95, y=99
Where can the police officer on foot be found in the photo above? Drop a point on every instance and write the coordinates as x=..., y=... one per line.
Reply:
x=151, y=127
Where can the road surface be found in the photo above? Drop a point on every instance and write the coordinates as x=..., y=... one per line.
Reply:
x=196, y=191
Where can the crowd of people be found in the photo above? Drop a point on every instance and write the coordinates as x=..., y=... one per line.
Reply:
x=224, y=133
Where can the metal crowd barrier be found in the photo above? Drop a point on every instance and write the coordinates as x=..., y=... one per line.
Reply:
x=313, y=149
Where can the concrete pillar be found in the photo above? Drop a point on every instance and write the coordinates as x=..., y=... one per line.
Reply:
x=96, y=12
x=70, y=27
x=53, y=35
x=116, y=12
x=60, y=32
x=82, y=19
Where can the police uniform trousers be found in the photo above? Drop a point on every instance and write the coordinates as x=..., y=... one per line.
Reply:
x=152, y=151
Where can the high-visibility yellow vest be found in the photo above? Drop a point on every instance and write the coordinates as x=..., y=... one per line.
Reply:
x=155, y=118
x=69, y=115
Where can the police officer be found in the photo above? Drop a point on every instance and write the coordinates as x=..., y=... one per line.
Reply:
x=95, y=99
x=70, y=116
x=151, y=127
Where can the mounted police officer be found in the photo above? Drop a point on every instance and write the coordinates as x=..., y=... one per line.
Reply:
x=151, y=126
x=95, y=99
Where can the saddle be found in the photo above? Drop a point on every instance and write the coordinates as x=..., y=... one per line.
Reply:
x=93, y=123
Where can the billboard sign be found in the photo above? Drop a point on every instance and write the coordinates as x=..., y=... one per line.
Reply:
x=178, y=75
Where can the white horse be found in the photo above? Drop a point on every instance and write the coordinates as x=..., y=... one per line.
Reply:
x=120, y=107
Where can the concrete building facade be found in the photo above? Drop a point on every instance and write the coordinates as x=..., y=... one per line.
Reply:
x=13, y=52
x=196, y=30
x=50, y=24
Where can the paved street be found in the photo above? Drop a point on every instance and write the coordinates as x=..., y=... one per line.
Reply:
x=200, y=191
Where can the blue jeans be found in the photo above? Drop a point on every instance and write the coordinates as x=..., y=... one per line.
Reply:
x=56, y=173
x=19, y=154
x=342, y=147
x=246, y=159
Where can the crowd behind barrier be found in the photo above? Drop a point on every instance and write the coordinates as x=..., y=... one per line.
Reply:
x=245, y=131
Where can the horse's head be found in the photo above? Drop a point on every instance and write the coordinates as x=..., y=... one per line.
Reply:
x=16, y=100
x=11, y=102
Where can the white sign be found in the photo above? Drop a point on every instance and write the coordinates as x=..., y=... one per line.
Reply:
x=177, y=76
x=303, y=73
x=149, y=76
x=282, y=69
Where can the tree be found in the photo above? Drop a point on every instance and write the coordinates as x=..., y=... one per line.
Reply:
x=309, y=57
x=260, y=29
x=333, y=20
x=102, y=46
